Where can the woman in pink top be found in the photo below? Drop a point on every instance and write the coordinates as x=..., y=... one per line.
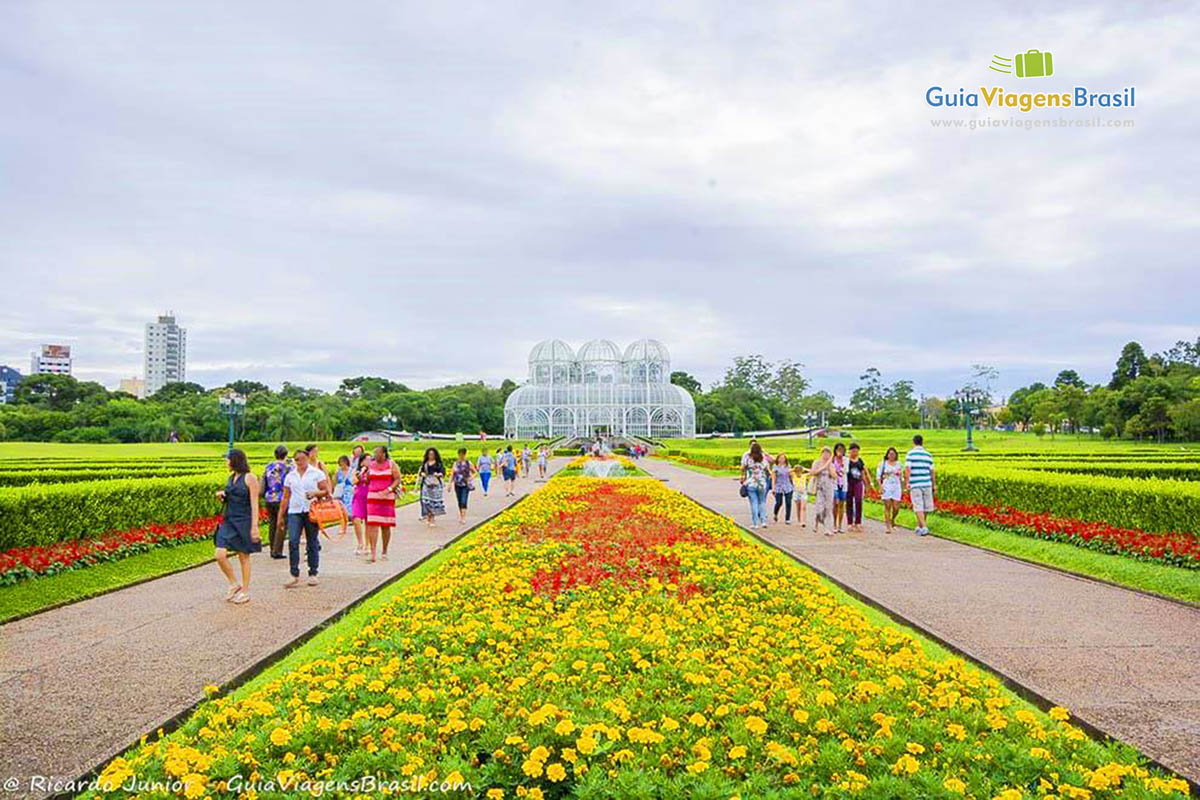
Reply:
x=383, y=484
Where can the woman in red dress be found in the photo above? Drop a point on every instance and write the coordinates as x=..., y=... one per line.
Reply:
x=383, y=484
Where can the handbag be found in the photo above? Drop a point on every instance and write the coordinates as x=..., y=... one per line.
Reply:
x=326, y=511
x=743, y=491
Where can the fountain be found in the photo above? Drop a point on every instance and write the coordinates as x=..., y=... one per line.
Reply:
x=603, y=468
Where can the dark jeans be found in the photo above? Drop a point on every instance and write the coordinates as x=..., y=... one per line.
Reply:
x=275, y=531
x=854, y=502
x=312, y=543
x=462, y=494
x=783, y=499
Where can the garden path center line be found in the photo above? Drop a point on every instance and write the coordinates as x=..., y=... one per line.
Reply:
x=1125, y=662
x=80, y=683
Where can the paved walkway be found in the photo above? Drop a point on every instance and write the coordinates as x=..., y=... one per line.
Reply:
x=1127, y=663
x=81, y=683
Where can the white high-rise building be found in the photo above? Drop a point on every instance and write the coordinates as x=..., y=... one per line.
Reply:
x=166, y=353
x=51, y=359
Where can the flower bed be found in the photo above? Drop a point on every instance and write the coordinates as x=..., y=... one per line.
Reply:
x=610, y=638
x=22, y=563
x=1179, y=549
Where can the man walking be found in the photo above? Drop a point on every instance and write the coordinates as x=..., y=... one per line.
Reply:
x=302, y=485
x=272, y=492
x=921, y=480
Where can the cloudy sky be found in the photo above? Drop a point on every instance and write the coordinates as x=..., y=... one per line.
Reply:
x=424, y=190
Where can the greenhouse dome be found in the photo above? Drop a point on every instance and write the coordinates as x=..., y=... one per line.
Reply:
x=599, y=391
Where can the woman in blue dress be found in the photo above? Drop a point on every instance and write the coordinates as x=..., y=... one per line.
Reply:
x=238, y=531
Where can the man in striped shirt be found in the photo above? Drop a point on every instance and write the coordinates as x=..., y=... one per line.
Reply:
x=920, y=479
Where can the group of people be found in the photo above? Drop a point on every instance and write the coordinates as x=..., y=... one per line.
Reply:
x=300, y=496
x=837, y=480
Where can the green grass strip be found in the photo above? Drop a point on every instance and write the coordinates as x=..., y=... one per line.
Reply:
x=38, y=594
x=1164, y=579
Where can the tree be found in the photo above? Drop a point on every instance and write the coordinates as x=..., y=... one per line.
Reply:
x=56, y=392
x=1130, y=365
x=369, y=387
x=174, y=391
x=749, y=372
x=789, y=385
x=685, y=380
x=246, y=388
x=868, y=397
x=1185, y=419
x=1069, y=377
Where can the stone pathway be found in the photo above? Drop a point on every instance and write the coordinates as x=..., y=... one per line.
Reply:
x=79, y=684
x=1127, y=663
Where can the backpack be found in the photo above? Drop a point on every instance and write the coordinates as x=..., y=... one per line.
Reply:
x=273, y=477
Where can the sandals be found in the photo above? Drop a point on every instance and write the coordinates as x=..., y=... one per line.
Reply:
x=232, y=593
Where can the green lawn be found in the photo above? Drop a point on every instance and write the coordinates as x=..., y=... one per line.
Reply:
x=39, y=594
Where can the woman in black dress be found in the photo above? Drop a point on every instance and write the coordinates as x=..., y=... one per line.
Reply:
x=238, y=531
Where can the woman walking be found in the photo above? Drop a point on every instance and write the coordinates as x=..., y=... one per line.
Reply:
x=431, y=478
x=839, y=490
x=484, y=467
x=784, y=488
x=343, y=492
x=358, y=505
x=754, y=481
x=238, y=531
x=891, y=486
x=858, y=477
x=526, y=461
x=463, y=485
x=543, y=455
x=824, y=476
x=383, y=484
x=508, y=470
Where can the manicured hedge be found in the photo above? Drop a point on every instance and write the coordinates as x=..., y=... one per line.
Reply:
x=1122, y=469
x=27, y=477
x=1148, y=505
x=48, y=513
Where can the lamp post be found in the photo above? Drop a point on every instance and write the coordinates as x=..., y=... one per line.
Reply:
x=232, y=406
x=966, y=397
x=388, y=421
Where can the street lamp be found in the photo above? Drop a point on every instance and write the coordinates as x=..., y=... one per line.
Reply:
x=232, y=406
x=966, y=397
x=388, y=421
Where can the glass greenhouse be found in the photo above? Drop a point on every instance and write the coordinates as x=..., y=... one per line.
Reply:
x=599, y=391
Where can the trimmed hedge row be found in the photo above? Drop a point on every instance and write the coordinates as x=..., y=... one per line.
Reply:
x=46, y=513
x=1137, y=469
x=27, y=477
x=1161, y=505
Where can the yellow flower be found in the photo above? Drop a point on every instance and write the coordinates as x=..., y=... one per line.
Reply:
x=697, y=719
x=737, y=751
x=495, y=794
x=696, y=767
x=586, y=744
x=914, y=748
x=1010, y=794
x=956, y=731
x=756, y=725
x=954, y=786
x=280, y=737
x=1060, y=714
x=532, y=768
x=826, y=698
x=556, y=772
x=905, y=765
x=194, y=785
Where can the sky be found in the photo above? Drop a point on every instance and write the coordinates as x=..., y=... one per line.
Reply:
x=425, y=190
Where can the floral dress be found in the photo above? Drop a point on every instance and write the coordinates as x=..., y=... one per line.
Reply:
x=433, y=501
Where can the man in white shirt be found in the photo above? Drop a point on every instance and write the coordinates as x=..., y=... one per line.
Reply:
x=302, y=485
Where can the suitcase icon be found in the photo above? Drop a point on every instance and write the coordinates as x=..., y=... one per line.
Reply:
x=1034, y=64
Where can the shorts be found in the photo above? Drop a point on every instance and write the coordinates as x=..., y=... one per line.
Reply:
x=509, y=474
x=922, y=498
x=839, y=495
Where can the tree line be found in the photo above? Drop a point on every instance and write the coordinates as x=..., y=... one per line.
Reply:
x=1156, y=396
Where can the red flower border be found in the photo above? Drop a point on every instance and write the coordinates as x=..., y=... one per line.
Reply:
x=23, y=563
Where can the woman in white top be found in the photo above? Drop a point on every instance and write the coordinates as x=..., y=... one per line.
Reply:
x=543, y=460
x=890, y=476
